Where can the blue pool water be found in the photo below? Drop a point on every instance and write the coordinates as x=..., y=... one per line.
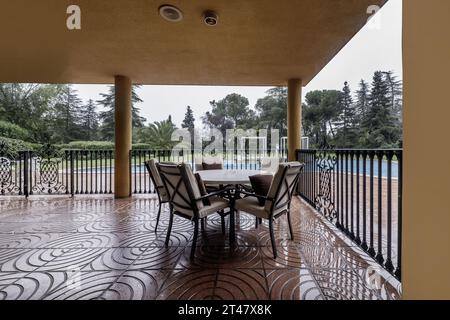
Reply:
x=384, y=167
x=255, y=166
x=142, y=169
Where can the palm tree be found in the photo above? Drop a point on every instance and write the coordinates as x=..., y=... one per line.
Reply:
x=158, y=134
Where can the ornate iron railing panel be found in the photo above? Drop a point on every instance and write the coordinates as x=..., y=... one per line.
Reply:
x=47, y=171
x=11, y=179
x=359, y=191
x=324, y=201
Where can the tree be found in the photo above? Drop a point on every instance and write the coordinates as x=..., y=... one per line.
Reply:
x=362, y=99
x=13, y=131
x=66, y=117
x=320, y=112
x=395, y=93
x=380, y=127
x=217, y=119
x=272, y=110
x=237, y=108
x=29, y=106
x=189, y=123
x=158, y=135
x=347, y=121
x=89, y=121
x=231, y=112
x=107, y=116
x=189, y=120
x=169, y=119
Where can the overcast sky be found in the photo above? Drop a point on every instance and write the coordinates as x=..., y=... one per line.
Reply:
x=376, y=47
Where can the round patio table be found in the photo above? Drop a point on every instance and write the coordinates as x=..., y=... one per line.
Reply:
x=230, y=177
x=227, y=177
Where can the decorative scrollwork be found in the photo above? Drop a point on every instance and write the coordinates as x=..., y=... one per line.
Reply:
x=326, y=162
x=8, y=183
x=47, y=166
x=49, y=151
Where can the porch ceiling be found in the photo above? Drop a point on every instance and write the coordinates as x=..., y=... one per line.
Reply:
x=257, y=42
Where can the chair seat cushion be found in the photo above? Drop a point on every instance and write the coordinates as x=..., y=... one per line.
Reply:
x=216, y=205
x=251, y=205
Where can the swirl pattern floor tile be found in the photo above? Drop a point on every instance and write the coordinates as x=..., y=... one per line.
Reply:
x=102, y=248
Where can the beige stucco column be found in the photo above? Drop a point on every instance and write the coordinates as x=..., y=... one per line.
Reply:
x=426, y=203
x=122, y=136
x=294, y=117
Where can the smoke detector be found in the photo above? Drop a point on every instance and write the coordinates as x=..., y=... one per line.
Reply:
x=210, y=18
x=170, y=13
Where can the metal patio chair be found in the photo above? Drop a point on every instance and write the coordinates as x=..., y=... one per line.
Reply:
x=160, y=188
x=277, y=201
x=185, y=198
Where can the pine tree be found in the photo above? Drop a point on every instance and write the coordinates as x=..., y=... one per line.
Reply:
x=380, y=127
x=107, y=116
x=189, y=120
x=89, y=121
x=272, y=110
x=320, y=114
x=362, y=99
x=66, y=117
x=395, y=93
x=347, y=120
x=231, y=112
x=169, y=119
x=189, y=123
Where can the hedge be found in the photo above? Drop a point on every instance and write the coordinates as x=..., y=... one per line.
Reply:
x=141, y=146
x=12, y=131
x=100, y=145
x=89, y=145
x=16, y=145
x=20, y=145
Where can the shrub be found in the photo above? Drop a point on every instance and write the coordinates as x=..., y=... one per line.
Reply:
x=99, y=145
x=16, y=145
x=141, y=146
x=12, y=131
x=89, y=145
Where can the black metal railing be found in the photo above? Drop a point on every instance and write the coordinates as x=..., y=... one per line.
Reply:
x=91, y=171
x=53, y=171
x=360, y=191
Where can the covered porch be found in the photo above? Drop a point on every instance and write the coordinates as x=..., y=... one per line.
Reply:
x=106, y=246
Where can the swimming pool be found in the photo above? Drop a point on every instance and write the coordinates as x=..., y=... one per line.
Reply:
x=140, y=168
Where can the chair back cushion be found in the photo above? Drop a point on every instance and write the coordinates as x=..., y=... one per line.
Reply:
x=207, y=163
x=283, y=185
x=212, y=163
x=261, y=185
x=156, y=180
x=182, y=187
x=212, y=166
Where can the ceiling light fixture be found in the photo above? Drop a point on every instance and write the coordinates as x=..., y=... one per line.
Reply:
x=210, y=18
x=170, y=13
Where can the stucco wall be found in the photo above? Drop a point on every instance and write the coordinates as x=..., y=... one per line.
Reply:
x=426, y=232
